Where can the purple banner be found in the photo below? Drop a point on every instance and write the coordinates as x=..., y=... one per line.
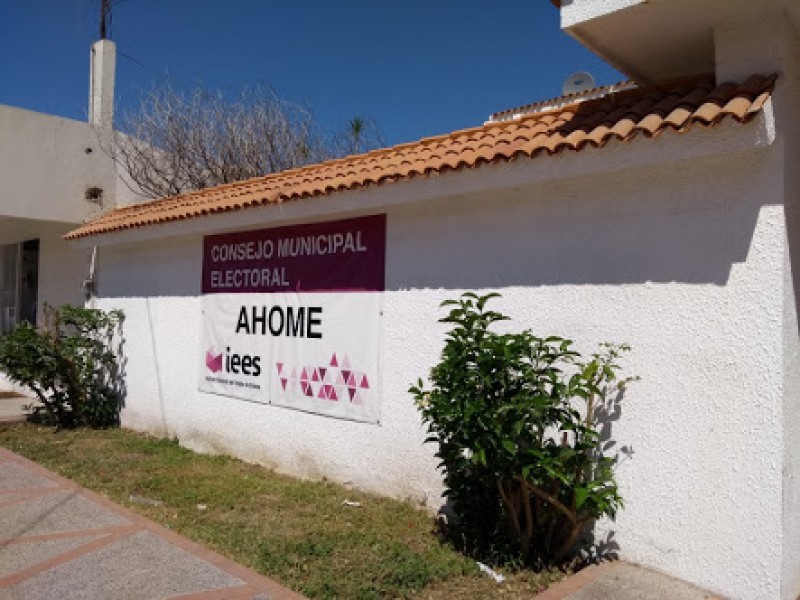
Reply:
x=335, y=256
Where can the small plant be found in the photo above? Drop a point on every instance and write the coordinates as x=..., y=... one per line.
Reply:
x=72, y=365
x=515, y=419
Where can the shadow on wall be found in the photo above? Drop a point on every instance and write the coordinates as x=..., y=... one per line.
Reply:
x=545, y=237
x=117, y=375
x=608, y=411
x=562, y=239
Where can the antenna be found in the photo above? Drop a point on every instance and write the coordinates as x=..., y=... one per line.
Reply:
x=577, y=83
x=105, y=18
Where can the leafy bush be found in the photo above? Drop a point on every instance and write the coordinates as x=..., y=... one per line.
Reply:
x=515, y=420
x=72, y=365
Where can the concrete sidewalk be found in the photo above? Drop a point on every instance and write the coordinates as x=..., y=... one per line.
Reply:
x=623, y=581
x=58, y=540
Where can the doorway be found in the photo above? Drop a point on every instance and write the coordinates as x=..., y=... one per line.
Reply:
x=19, y=284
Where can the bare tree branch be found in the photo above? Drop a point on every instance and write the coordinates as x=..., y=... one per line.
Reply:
x=178, y=142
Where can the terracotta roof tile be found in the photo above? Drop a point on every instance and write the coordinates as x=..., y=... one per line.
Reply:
x=560, y=101
x=616, y=116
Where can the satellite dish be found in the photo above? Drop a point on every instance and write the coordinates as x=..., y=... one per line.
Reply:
x=577, y=83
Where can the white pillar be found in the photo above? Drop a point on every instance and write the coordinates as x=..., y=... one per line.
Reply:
x=101, y=83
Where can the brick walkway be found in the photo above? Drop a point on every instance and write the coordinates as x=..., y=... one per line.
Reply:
x=58, y=540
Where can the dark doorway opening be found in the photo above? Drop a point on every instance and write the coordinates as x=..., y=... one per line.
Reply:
x=29, y=281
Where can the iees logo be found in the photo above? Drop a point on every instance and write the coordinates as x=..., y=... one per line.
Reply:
x=213, y=361
x=237, y=364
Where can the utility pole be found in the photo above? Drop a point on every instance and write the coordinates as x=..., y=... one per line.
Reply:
x=105, y=18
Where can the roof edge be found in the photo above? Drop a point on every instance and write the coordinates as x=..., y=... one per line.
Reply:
x=594, y=123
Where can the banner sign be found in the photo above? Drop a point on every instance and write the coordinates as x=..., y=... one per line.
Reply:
x=292, y=316
x=339, y=256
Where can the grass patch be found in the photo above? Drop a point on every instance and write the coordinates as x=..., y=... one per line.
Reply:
x=297, y=532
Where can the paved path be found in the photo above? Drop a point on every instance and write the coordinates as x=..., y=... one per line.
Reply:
x=58, y=540
x=623, y=581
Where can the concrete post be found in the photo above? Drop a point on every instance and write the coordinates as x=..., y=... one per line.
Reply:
x=101, y=83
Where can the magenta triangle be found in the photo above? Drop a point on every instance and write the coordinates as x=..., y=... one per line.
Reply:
x=334, y=362
x=364, y=382
x=283, y=383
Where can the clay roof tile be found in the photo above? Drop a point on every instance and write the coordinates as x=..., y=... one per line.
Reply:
x=589, y=123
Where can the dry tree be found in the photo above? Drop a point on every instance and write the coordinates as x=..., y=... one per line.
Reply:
x=176, y=142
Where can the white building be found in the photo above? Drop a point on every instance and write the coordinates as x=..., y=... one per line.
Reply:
x=54, y=177
x=664, y=216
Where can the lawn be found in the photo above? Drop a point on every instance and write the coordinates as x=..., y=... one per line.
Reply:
x=300, y=533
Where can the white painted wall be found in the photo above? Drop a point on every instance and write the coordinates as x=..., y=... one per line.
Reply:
x=576, y=12
x=684, y=259
x=62, y=267
x=788, y=103
x=45, y=168
x=46, y=165
x=657, y=40
x=766, y=46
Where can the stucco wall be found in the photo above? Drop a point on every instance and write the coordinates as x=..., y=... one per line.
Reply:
x=790, y=114
x=46, y=165
x=683, y=260
x=45, y=168
x=62, y=267
x=772, y=46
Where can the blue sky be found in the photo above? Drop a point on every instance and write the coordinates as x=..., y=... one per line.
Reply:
x=416, y=67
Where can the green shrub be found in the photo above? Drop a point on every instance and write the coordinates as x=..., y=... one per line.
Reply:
x=72, y=365
x=515, y=419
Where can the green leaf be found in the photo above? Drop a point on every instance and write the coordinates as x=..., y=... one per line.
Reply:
x=581, y=493
x=504, y=396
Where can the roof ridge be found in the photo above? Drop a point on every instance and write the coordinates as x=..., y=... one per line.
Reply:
x=562, y=99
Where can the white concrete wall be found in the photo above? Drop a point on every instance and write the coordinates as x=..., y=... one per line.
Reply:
x=683, y=260
x=62, y=267
x=575, y=12
x=45, y=168
x=768, y=46
x=788, y=108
